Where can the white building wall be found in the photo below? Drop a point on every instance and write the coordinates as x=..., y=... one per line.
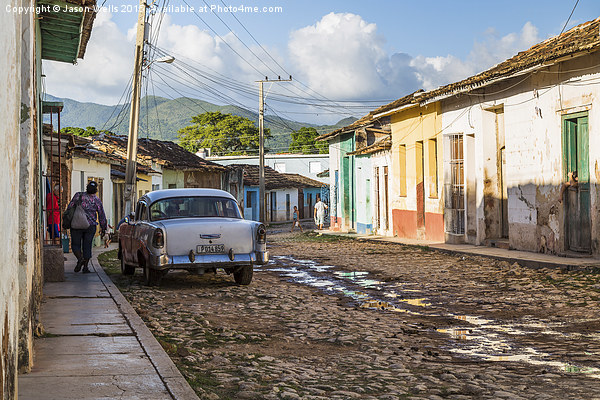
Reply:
x=281, y=198
x=533, y=113
x=382, y=159
x=288, y=163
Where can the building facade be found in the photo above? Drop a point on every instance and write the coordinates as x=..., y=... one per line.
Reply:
x=309, y=165
x=26, y=39
x=517, y=131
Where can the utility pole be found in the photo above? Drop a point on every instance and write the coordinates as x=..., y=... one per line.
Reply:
x=134, y=117
x=261, y=146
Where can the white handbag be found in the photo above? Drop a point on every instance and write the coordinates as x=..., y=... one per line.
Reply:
x=80, y=220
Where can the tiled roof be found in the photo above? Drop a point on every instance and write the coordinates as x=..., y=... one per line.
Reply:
x=168, y=154
x=304, y=180
x=411, y=98
x=366, y=120
x=370, y=119
x=276, y=180
x=85, y=147
x=383, y=143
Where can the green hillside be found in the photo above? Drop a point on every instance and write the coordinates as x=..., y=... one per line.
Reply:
x=161, y=118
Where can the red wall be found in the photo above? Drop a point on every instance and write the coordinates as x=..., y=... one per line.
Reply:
x=434, y=227
x=405, y=225
x=335, y=223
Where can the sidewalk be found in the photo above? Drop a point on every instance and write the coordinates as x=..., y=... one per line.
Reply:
x=96, y=346
x=524, y=258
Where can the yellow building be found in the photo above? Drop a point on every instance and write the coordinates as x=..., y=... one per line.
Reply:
x=417, y=168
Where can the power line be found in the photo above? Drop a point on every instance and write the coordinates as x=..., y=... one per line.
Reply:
x=568, y=19
x=223, y=40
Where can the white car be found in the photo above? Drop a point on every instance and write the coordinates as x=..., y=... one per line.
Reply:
x=199, y=230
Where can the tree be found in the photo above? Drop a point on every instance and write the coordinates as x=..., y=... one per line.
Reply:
x=223, y=134
x=303, y=141
x=87, y=132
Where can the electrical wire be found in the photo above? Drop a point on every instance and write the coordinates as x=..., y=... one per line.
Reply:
x=568, y=19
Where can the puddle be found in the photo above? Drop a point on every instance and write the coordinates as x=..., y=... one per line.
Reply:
x=474, y=337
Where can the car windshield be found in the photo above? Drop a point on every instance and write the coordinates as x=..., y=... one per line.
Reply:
x=194, y=207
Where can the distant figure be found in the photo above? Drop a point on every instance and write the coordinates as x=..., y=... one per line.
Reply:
x=573, y=181
x=296, y=220
x=107, y=237
x=320, y=208
x=53, y=214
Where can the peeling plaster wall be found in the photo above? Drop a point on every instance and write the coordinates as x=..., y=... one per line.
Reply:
x=30, y=259
x=533, y=107
x=10, y=115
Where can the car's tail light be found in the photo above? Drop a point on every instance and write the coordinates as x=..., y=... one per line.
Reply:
x=158, y=240
x=261, y=234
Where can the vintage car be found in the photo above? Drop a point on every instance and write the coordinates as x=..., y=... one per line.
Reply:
x=199, y=230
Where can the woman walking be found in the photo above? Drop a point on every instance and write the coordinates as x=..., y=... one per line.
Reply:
x=81, y=239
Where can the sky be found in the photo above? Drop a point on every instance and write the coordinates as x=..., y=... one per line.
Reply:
x=345, y=57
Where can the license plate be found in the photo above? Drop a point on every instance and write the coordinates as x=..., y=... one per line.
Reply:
x=210, y=249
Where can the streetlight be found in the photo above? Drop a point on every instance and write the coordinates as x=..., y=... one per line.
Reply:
x=165, y=59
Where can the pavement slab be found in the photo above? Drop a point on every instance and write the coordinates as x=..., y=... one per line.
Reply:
x=94, y=347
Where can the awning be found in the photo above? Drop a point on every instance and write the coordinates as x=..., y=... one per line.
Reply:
x=65, y=27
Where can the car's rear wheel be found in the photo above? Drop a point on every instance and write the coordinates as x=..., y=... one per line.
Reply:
x=151, y=276
x=126, y=269
x=243, y=275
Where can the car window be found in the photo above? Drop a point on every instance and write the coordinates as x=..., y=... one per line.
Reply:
x=140, y=212
x=194, y=207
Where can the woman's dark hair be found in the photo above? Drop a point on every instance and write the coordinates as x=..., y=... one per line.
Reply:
x=91, y=187
x=574, y=174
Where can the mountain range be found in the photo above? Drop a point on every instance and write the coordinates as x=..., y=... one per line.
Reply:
x=161, y=118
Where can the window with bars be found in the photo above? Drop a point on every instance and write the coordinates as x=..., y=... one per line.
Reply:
x=455, y=204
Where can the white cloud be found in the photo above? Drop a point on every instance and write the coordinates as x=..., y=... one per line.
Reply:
x=438, y=71
x=339, y=56
x=342, y=56
x=104, y=71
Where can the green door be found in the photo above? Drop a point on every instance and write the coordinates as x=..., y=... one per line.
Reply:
x=346, y=190
x=577, y=198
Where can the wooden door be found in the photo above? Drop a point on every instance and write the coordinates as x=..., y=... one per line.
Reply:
x=577, y=201
x=504, y=194
x=420, y=185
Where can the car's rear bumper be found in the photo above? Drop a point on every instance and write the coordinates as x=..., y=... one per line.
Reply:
x=208, y=261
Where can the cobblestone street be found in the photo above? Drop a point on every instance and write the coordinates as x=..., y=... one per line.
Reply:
x=337, y=318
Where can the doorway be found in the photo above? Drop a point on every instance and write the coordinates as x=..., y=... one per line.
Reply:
x=420, y=186
x=577, y=198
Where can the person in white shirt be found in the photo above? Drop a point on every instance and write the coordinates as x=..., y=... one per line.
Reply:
x=320, y=208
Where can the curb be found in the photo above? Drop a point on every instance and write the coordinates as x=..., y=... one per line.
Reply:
x=593, y=265
x=166, y=369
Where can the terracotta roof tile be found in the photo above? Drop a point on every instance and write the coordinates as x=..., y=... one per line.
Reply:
x=276, y=180
x=165, y=153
